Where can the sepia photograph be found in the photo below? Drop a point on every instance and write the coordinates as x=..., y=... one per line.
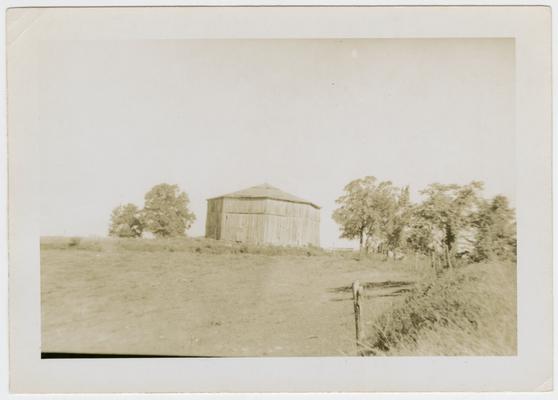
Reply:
x=171, y=222
x=272, y=197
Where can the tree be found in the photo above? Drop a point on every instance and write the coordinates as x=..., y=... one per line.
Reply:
x=397, y=218
x=381, y=208
x=166, y=212
x=448, y=209
x=125, y=221
x=372, y=211
x=353, y=212
x=420, y=235
x=495, y=230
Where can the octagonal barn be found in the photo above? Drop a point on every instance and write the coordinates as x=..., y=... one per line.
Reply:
x=263, y=214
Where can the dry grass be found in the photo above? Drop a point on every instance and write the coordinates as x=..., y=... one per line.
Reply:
x=184, y=244
x=467, y=311
x=183, y=296
x=164, y=297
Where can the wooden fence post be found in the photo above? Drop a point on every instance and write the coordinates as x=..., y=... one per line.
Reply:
x=448, y=260
x=357, y=291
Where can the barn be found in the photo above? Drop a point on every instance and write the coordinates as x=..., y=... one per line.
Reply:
x=263, y=214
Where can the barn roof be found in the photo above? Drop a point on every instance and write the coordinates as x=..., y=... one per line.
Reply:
x=266, y=191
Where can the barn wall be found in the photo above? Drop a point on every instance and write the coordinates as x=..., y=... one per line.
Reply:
x=261, y=221
x=244, y=220
x=289, y=209
x=214, y=218
x=245, y=228
x=244, y=206
x=292, y=224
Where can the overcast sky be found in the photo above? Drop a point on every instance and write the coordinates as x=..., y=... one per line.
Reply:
x=307, y=116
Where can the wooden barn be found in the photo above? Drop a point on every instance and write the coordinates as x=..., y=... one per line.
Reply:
x=263, y=214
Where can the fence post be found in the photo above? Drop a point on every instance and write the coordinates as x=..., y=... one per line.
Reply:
x=357, y=291
x=448, y=260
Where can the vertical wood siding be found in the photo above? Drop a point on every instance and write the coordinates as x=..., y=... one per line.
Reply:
x=263, y=221
x=214, y=217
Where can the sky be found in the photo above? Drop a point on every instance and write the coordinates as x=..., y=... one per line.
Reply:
x=308, y=116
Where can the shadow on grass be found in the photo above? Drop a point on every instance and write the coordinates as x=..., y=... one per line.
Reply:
x=373, y=285
x=395, y=288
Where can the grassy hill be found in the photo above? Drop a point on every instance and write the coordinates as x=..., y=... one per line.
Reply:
x=200, y=297
x=467, y=311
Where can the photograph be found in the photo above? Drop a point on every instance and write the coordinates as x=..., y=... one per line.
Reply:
x=219, y=198
x=262, y=199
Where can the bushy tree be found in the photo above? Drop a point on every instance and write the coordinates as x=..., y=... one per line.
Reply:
x=382, y=205
x=420, y=236
x=353, y=214
x=397, y=219
x=125, y=221
x=450, y=208
x=452, y=221
x=373, y=211
x=495, y=230
x=166, y=212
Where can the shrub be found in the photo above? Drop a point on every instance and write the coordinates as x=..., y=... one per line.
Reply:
x=74, y=242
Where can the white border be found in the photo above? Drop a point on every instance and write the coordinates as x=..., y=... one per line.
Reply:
x=254, y=382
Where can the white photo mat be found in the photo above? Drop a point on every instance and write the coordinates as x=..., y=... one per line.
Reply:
x=530, y=370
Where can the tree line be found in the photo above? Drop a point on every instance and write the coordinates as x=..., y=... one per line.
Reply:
x=165, y=214
x=451, y=222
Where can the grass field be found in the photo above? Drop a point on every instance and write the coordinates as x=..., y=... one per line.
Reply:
x=198, y=297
